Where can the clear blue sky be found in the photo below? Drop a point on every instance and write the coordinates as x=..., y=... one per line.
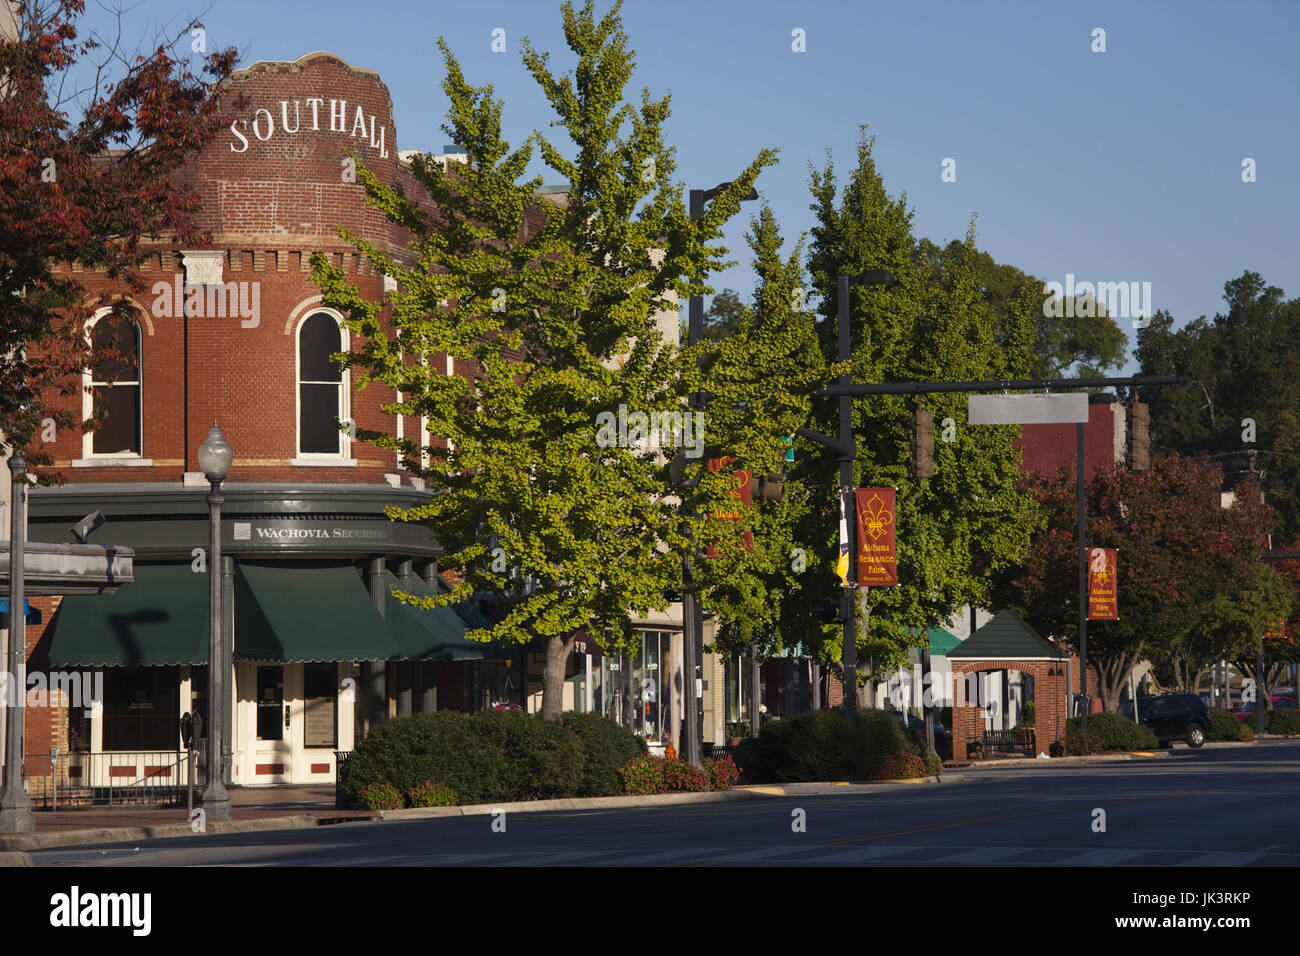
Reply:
x=1115, y=166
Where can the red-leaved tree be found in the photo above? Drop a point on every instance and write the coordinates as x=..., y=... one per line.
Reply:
x=1189, y=572
x=84, y=188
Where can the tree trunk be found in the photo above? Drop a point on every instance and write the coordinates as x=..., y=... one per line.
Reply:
x=557, y=660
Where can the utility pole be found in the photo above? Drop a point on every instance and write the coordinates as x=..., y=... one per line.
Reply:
x=692, y=615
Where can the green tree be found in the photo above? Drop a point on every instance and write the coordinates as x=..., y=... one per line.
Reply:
x=761, y=375
x=539, y=499
x=959, y=527
x=1070, y=343
x=1241, y=392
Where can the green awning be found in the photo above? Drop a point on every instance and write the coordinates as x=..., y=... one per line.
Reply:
x=434, y=634
x=307, y=612
x=161, y=618
x=941, y=641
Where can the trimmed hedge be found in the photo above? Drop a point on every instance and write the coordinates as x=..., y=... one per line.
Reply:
x=1112, y=732
x=495, y=756
x=823, y=745
x=1282, y=722
x=1224, y=726
x=904, y=766
x=606, y=747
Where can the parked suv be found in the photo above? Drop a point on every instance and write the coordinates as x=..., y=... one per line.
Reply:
x=1171, y=716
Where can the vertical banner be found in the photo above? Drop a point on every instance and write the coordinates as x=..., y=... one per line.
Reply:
x=740, y=495
x=842, y=559
x=877, y=547
x=1103, y=584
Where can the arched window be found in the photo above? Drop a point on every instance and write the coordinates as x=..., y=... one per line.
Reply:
x=322, y=387
x=114, y=396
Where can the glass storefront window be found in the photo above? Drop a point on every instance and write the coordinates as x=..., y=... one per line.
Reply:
x=320, y=704
x=736, y=672
x=629, y=688
x=141, y=708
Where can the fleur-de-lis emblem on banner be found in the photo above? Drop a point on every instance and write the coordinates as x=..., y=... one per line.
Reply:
x=877, y=518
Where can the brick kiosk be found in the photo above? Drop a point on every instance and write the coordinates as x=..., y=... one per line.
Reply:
x=233, y=333
x=1008, y=643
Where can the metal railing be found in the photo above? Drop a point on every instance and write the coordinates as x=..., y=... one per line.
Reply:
x=78, y=779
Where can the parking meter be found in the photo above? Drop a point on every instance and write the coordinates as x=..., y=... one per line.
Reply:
x=187, y=730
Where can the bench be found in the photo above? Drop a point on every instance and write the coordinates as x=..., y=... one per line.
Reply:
x=1001, y=741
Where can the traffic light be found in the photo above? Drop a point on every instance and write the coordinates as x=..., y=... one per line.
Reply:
x=771, y=487
x=827, y=610
x=922, y=458
x=1139, y=456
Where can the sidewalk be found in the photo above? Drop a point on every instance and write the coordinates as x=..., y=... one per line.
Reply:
x=247, y=803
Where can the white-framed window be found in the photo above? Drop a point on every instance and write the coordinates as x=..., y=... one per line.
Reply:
x=112, y=389
x=323, y=395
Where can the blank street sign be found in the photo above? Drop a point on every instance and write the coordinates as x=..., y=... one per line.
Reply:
x=1027, y=409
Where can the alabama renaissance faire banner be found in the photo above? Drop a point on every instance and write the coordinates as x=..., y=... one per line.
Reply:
x=1103, y=584
x=877, y=548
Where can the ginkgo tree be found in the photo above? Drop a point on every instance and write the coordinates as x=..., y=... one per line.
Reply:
x=559, y=307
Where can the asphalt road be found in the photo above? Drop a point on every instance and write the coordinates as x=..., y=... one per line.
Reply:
x=1214, y=807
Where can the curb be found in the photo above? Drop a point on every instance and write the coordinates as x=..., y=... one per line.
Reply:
x=15, y=859
x=1027, y=762
x=569, y=803
x=42, y=841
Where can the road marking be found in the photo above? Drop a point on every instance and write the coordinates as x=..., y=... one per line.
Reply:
x=862, y=854
x=984, y=854
x=1225, y=858
x=1101, y=857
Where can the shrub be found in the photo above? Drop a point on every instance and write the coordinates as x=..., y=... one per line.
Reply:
x=681, y=776
x=643, y=775
x=1224, y=726
x=1282, y=722
x=1027, y=714
x=722, y=772
x=1247, y=733
x=904, y=766
x=489, y=757
x=380, y=796
x=1077, y=743
x=430, y=794
x=1114, y=732
x=822, y=745
x=606, y=747
x=933, y=765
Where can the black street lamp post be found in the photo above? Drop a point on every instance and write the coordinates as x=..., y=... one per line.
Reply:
x=214, y=460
